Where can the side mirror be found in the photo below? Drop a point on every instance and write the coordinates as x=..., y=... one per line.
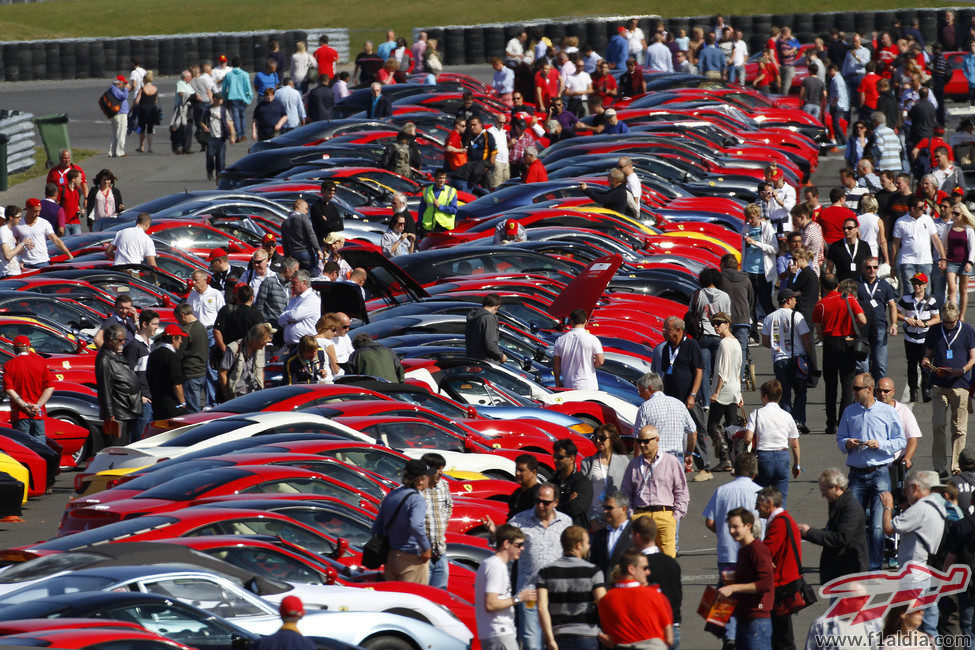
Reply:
x=341, y=548
x=470, y=445
x=539, y=354
x=240, y=643
x=472, y=412
x=331, y=575
x=526, y=365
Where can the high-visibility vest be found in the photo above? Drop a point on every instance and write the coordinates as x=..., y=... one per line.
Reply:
x=433, y=214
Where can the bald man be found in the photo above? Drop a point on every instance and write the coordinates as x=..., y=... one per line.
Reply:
x=885, y=393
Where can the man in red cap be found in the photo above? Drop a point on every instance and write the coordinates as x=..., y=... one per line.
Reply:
x=120, y=91
x=509, y=231
x=28, y=383
x=34, y=233
x=219, y=72
x=270, y=245
x=164, y=372
x=223, y=277
x=289, y=637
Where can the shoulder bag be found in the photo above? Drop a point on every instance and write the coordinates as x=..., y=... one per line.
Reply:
x=860, y=349
x=801, y=368
x=797, y=595
x=377, y=548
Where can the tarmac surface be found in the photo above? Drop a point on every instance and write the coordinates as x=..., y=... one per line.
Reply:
x=146, y=176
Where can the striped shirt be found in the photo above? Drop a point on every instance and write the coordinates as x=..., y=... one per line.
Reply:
x=440, y=505
x=570, y=582
x=925, y=309
x=887, y=148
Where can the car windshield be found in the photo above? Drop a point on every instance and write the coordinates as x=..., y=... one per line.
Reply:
x=66, y=584
x=109, y=533
x=187, y=488
x=430, y=401
x=262, y=399
x=384, y=463
x=47, y=566
x=206, y=431
x=156, y=477
x=343, y=474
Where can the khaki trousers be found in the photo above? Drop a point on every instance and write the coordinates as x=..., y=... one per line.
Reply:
x=943, y=402
x=666, y=522
x=407, y=568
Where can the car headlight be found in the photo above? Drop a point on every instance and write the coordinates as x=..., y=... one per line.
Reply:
x=582, y=428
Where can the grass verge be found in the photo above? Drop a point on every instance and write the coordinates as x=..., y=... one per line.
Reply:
x=40, y=167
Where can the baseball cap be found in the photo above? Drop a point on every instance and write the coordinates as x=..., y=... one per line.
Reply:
x=33, y=203
x=920, y=277
x=777, y=174
x=22, y=340
x=621, y=29
x=174, y=330
x=222, y=58
x=269, y=239
x=511, y=226
x=121, y=78
x=216, y=254
x=291, y=606
x=610, y=112
x=786, y=294
x=959, y=191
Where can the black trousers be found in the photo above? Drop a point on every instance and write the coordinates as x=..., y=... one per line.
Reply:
x=782, y=633
x=914, y=353
x=839, y=368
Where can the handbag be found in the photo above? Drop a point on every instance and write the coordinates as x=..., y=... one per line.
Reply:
x=797, y=595
x=801, y=368
x=377, y=548
x=861, y=346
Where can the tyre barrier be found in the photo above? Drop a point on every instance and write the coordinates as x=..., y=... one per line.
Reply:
x=18, y=128
x=165, y=54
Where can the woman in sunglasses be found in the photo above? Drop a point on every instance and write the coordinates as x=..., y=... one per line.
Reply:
x=959, y=243
x=604, y=469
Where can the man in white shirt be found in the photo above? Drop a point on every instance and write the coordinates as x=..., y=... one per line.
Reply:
x=775, y=435
x=786, y=333
x=885, y=393
x=633, y=187
x=636, y=40
x=291, y=99
x=577, y=355
x=34, y=233
x=133, y=245
x=9, y=260
x=342, y=341
x=739, y=57
x=782, y=201
x=659, y=56
x=304, y=309
x=514, y=51
x=137, y=76
x=501, y=171
x=204, y=299
x=220, y=72
x=914, y=236
x=503, y=81
x=494, y=606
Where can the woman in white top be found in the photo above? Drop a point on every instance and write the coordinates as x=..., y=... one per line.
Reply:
x=726, y=391
x=605, y=468
x=327, y=328
x=9, y=260
x=872, y=228
x=959, y=245
x=301, y=62
x=774, y=434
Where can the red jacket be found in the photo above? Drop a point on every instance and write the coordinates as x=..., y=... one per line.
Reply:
x=777, y=542
x=536, y=172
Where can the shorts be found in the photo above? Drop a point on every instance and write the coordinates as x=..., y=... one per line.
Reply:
x=957, y=268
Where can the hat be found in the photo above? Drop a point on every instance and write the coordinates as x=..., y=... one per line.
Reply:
x=920, y=277
x=610, y=112
x=511, y=226
x=621, y=29
x=222, y=58
x=22, y=340
x=334, y=237
x=960, y=191
x=174, y=330
x=121, y=78
x=290, y=607
x=216, y=254
x=776, y=173
x=786, y=294
x=33, y=203
x=269, y=239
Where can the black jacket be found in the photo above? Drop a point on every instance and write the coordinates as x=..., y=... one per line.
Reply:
x=613, y=198
x=119, y=391
x=163, y=371
x=320, y=101
x=93, y=194
x=665, y=573
x=522, y=499
x=383, y=108
x=325, y=218
x=600, y=555
x=806, y=284
x=481, y=335
x=924, y=117
x=736, y=284
x=844, y=540
x=226, y=281
x=577, y=508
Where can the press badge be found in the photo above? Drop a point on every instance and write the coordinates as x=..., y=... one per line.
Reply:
x=873, y=303
x=949, y=354
x=670, y=369
x=853, y=266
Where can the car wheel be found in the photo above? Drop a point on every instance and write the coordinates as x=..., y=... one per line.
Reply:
x=84, y=452
x=387, y=642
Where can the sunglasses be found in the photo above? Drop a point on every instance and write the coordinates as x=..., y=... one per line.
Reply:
x=849, y=227
x=885, y=390
x=646, y=441
x=716, y=323
x=600, y=438
x=545, y=502
x=610, y=507
x=519, y=545
x=857, y=389
x=558, y=457
x=870, y=266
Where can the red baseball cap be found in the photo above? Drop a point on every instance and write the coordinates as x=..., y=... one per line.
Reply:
x=511, y=226
x=22, y=340
x=291, y=606
x=269, y=239
x=958, y=190
x=33, y=203
x=621, y=29
x=920, y=277
x=121, y=78
x=777, y=174
x=216, y=254
x=222, y=58
x=174, y=330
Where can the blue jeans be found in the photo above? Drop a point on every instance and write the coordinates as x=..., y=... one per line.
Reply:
x=731, y=628
x=676, y=644
x=529, y=629
x=966, y=615
x=212, y=378
x=793, y=393
x=813, y=109
x=72, y=229
x=142, y=422
x=741, y=333
x=907, y=272
x=237, y=110
x=216, y=155
x=736, y=74
x=754, y=634
x=929, y=623
x=866, y=488
x=939, y=283
x=305, y=260
x=876, y=363
x=33, y=428
x=193, y=391
x=773, y=470
x=709, y=353
x=576, y=642
x=439, y=572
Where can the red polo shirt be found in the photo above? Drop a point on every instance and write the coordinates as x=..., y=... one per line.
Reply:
x=868, y=86
x=831, y=220
x=326, y=56
x=548, y=85
x=29, y=375
x=629, y=614
x=832, y=314
x=60, y=178
x=536, y=172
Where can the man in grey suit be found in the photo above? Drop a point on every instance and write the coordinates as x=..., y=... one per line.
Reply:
x=609, y=542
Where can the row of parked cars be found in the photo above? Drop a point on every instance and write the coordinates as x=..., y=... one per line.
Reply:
x=190, y=536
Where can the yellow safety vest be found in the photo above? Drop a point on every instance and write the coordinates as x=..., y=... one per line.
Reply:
x=433, y=213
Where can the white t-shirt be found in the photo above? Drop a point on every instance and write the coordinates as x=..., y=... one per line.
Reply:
x=514, y=49
x=915, y=236
x=501, y=143
x=12, y=266
x=635, y=40
x=576, y=349
x=137, y=78
x=206, y=305
x=739, y=53
x=869, y=229
x=778, y=325
x=218, y=74
x=578, y=83
x=300, y=63
x=492, y=578
x=132, y=246
x=728, y=367
x=38, y=234
x=772, y=426
x=343, y=348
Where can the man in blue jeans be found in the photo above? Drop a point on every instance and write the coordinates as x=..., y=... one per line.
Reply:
x=736, y=284
x=871, y=435
x=878, y=298
x=440, y=505
x=915, y=237
x=193, y=356
x=29, y=384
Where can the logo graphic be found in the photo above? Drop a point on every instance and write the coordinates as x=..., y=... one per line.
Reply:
x=863, y=597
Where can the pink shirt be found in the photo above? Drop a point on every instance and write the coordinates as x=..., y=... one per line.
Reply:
x=660, y=484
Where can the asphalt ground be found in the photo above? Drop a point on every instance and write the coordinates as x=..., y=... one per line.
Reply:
x=144, y=176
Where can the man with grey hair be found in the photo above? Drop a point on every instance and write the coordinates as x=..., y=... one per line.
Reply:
x=613, y=198
x=678, y=433
x=119, y=390
x=270, y=293
x=633, y=187
x=887, y=148
x=609, y=542
x=303, y=311
x=844, y=539
x=398, y=204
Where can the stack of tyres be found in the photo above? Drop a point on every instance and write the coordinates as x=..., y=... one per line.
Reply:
x=846, y=22
x=11, y=62
x=53, y=58
x=883, y=21
x=453, y=47
x=555, y=32
x=802, y=27
x=822, y=24
x=494, y=41
x=38, y=61
x=866, y=23
x=474, y=45
x=929, y=24
x=123, y=61
x=109, y=57
x=166, y=58
x=150, y=53
x=96, y=57
x=191, y=54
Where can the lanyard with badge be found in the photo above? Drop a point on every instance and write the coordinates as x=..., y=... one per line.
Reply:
x=853, y=254
x=949, y=353
x=672, y=352
x=872, y=293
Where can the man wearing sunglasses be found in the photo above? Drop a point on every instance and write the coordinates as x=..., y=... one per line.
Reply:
x=879, y=301
x=845, y=257
x=342, y=340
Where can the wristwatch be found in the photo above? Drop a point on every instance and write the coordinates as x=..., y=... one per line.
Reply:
x=515, y=600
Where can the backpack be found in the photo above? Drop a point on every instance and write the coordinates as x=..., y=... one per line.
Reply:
x=936, y=557
x=110, y=104
x=397, y=159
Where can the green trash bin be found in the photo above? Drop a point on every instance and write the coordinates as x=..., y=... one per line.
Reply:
x=3, y=162
x=54, y=135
